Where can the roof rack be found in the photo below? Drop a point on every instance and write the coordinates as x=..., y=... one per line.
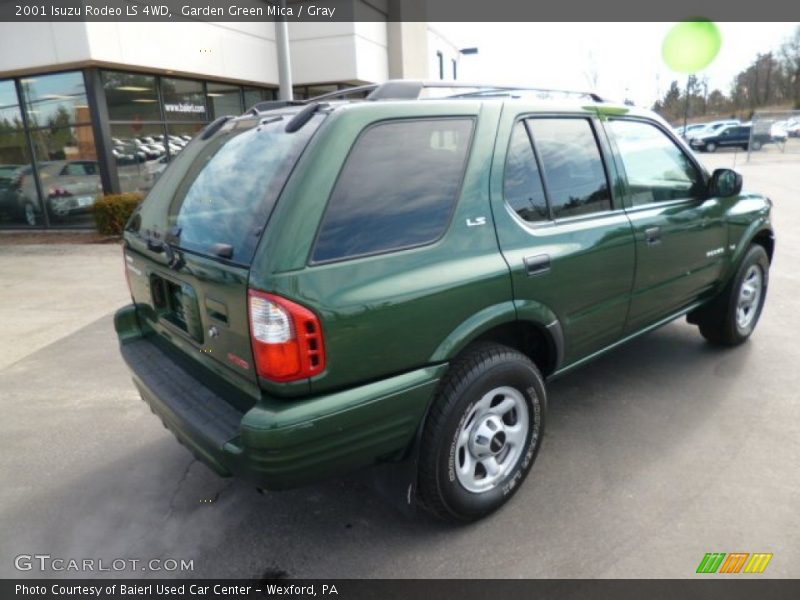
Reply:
x=405, y=89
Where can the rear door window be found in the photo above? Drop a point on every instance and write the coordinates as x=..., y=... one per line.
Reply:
x=397, y=188
x=573, y=168
x=522, y=185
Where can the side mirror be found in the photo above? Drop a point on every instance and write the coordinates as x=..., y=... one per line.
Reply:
x=725, y=183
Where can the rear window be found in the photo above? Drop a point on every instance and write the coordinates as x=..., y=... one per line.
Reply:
x=397, y=188
x=222, y=191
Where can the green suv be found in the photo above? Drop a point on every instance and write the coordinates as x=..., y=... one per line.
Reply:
x=320, y=286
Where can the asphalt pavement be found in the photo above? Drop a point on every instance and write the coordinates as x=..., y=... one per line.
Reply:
x=655, y=454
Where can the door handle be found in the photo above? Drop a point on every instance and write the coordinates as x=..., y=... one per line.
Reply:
x=652, y=235
x=537, y=265
x=217, y=310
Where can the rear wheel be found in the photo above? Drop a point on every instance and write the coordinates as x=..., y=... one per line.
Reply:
x=756, y=145
x=731, y=318
x=482, y=433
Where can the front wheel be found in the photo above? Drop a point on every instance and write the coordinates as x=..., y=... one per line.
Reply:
x=482, y=433
x=731, y=318
x=711, y=147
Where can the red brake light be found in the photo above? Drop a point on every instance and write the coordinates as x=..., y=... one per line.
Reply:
x=287, y=338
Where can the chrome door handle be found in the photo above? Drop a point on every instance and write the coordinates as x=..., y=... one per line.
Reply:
x=537, y=265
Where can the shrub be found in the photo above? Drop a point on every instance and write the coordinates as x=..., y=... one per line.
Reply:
x=112, y=211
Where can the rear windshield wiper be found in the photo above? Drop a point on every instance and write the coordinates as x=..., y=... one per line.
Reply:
x=174, y=260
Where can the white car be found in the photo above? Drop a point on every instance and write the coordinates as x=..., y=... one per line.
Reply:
x=712, y=128
x=778, y=132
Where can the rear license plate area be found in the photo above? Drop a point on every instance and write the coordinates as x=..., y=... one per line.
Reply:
x=176, y=303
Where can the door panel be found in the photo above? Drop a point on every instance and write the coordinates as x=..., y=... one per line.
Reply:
x=680, y=234
x=683, y=262
x=580, y=266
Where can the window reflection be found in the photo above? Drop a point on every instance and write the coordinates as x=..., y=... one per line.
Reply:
x=656, y=169
x=396, y=189
x=69, y=174
x=576, y=181
x=523, y=185
x=224, y=100
x=183, y=100
x=15, y=163
x=55, y=100
x=131, y=96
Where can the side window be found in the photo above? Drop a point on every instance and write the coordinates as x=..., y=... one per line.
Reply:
x=657, y=170
x=522, y=185
x=573, y=169
x=396, y=189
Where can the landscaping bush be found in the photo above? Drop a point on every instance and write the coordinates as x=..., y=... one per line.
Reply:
x=112, y=211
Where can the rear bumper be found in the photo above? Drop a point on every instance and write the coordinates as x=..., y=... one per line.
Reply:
x=278, y=443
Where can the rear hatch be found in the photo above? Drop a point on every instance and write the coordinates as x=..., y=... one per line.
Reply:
x=189, y=247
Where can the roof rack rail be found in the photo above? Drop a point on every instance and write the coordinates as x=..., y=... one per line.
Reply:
x=403, y=89
x=266, y=105
x=408, y=89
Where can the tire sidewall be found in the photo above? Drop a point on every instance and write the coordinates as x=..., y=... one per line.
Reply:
x=755, y=256
x=466, y=505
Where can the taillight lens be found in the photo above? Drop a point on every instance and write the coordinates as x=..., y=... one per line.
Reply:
x=287, y=338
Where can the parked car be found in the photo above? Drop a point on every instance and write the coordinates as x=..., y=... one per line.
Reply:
x=9, y=207
x=778, y=132
x=690, y=129
x=325, y=286
x=712, y=128
x=737, y=136
x=69, y=187
x=793, y=127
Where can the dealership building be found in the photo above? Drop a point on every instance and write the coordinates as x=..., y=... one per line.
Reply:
x=101, y=107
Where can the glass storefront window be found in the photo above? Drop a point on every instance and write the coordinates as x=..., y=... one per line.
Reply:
x=253, y=96
x=224, y=100
x=15, y=163
x=183, y=100
x=55, y=100
x=50, y=173
x=69, y=175
x=140, y=154
x=131, y=96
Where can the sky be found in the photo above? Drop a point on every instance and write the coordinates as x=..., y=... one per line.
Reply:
x=625, y=56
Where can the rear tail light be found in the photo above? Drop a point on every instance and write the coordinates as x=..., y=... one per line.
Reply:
x=287, y=338
x=58, y=192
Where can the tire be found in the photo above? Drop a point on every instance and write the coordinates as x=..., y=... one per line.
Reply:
x=711, y=147
x=731, y=317
x=756, y=145
x=463, y=473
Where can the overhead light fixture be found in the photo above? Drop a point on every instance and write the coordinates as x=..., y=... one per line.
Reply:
x=55, y=97
x=144, y=100
x=132, y=88
x=28, y=80
x=215, y=94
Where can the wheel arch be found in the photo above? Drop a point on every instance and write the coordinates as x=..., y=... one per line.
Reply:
x=527, y=326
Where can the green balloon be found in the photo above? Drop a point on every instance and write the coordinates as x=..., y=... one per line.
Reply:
x=691, y=46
